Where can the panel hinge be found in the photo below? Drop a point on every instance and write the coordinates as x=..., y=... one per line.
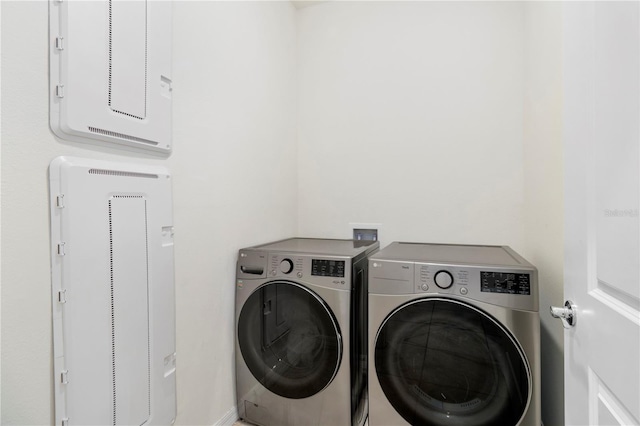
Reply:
x=59, y=43
x=60, y=91
x=61, y=251
x=65, y=422
x=60, y=201
x=62, y=296
x=64, y=377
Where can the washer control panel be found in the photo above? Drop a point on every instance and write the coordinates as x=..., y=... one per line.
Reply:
x=286, y=266
x=323, y=271
x=327, y=267
x=280, y=265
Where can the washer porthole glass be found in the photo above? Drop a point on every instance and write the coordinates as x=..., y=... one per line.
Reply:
x=444, y=362
x=289, y=339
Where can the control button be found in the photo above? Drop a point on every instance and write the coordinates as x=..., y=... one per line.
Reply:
x=443, y=279
x=425, y=287
x=299, y=274
x=464, y=291
x=286, y=266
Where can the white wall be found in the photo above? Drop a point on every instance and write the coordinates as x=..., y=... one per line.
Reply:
x=235, y=73
x=440, y=120
x=234, y=142
x=543, y=166
x=410, y=115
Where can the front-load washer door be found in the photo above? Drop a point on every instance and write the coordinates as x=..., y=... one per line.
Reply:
x=445, y=362
x=289, y=339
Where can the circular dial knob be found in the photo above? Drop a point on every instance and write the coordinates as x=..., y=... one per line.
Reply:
x=286, y=266
x=443, y=279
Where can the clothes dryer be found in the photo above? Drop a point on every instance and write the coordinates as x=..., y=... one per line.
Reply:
x=301, y=337
x=454, y=335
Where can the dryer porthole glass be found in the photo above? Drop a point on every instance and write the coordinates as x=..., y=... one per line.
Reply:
x=289, y=339
x=444, y=362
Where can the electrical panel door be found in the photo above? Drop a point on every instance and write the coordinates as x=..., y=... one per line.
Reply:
x=113, y=293
x=110, y=72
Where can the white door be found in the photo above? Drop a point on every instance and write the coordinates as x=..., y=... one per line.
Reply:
x=602, y=190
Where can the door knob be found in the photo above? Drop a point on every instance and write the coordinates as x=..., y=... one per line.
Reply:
x=566, y=313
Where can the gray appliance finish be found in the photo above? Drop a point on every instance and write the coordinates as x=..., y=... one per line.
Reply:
x=301, y=337
x=454, y=335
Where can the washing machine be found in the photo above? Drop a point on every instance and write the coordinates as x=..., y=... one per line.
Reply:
x=454, y=335
x=301, y=337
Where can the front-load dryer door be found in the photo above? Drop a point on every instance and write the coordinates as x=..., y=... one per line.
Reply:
x=289, y=339
x=444, y=362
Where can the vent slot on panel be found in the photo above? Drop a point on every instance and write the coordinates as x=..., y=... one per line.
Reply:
x=121, y=135
x=122, y=173
x=130, y=344
x=128, y=58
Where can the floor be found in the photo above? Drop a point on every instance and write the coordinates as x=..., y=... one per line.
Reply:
x=241, y=423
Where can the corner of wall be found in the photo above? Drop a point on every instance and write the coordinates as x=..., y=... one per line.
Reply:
x=229, y=418
x=543, y=187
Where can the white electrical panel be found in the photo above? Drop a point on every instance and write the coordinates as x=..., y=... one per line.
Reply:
x=113, y=293
x=110, y=72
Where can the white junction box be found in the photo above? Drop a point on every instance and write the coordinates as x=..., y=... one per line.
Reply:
x=110, y=72
x=364, y=231
x=113, y=293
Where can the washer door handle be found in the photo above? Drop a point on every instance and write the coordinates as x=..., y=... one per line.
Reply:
x=566, y=313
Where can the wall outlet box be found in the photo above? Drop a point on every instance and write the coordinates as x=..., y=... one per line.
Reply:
x=364, y=231
x=365, y=234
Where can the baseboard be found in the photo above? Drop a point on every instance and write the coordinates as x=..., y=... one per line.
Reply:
x=229, y=418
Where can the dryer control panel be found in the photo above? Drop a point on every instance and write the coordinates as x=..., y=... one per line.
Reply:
x=513, y=287
x=505, y=282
